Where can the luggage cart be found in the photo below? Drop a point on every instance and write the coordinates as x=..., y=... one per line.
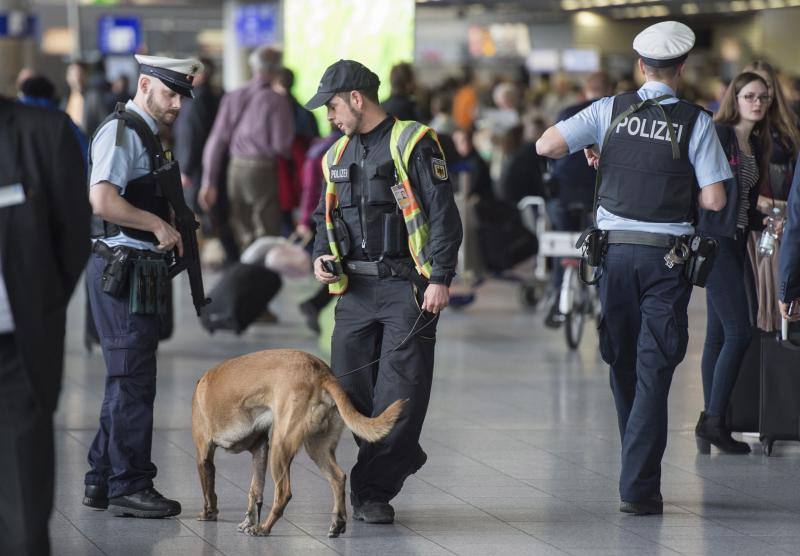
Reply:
x=534, y=218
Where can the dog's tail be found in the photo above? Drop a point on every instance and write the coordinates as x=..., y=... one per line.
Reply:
x=370, y=429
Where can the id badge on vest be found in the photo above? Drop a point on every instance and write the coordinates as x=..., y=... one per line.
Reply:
x=401, y=196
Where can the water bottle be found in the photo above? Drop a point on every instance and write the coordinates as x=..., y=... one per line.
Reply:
x=766, y=247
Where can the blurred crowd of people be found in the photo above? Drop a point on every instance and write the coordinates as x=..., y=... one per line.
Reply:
x=250, y=158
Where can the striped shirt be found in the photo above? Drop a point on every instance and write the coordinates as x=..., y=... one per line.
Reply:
x=748, y=178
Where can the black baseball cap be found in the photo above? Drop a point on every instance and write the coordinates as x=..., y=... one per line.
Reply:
x=344, y=75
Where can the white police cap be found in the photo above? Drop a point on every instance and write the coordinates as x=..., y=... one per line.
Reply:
x=175, y=73
x=664, y=44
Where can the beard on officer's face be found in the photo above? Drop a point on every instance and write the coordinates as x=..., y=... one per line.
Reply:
x=353, y=126
x=159, y=107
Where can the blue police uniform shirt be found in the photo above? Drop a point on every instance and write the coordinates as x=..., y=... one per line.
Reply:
x=589, y=127
x=120, y=164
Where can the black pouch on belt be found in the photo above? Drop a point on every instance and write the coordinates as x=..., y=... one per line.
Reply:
x=593, y=245
x=341, y=234
x=117, y=271
x=702, y=252
x=395, y=242
x=149, y=283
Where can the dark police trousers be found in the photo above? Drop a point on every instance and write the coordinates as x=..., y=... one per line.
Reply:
x=372, y=318
x=120, y=453
x=643, y=336
x=26, y=460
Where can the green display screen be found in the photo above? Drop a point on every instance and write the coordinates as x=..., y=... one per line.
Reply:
x=317, y=33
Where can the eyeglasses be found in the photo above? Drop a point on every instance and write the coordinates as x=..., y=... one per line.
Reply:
x=752, y=98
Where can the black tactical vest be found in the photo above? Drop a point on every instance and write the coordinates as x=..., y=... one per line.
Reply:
x=640, y=179
x=143, y=192
x=363, y=179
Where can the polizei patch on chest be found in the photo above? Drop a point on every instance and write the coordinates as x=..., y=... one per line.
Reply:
x=648, y=128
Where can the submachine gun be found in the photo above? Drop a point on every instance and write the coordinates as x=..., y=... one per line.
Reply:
x=168, y=178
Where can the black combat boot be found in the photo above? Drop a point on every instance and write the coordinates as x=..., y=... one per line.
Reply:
x=95, y=497
x=373, y=512
x=710, y=430
x=147, y=502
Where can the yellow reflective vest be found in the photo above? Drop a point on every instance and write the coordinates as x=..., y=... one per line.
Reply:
x=405, y=136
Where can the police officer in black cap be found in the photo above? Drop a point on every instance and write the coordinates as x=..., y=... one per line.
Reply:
x=657, y=151
x=131, y=234
x=387, y=241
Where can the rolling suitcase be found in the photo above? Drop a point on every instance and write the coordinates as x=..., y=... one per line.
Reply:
x=743, y=408
x=779, y=415
x=504, y=241
x=240, y=296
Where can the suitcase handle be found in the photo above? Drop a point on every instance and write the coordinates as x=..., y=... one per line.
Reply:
x=784, y=338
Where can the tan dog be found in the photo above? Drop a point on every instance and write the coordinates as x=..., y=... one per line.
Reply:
x=293, y=394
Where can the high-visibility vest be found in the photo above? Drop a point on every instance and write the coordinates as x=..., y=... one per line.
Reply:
x=405, y=136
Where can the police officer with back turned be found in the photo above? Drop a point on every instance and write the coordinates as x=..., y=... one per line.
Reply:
x=127, y=278
x=656, y=151
x=387, y=241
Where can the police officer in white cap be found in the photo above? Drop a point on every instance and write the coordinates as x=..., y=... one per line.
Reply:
x=660, y=159
x=131, y=227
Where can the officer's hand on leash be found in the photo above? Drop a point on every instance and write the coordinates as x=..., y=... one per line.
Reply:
x=320, y=273
x=168, y=238
x=437, y=297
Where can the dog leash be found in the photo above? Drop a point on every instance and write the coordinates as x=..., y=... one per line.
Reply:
x=411, y=334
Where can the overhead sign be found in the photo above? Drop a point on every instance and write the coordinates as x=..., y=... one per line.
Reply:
x=17, y=24
x=256, y=24
x=543, y=60
x=580, y=60
x=119, y=35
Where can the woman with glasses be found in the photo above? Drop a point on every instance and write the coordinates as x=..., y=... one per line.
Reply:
x=743, y=128
x=773, y=194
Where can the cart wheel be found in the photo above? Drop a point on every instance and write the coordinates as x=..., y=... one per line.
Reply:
x=767, y=446
x=528, y=296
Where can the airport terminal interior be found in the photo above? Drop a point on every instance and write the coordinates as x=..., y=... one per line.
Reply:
x=521, y=433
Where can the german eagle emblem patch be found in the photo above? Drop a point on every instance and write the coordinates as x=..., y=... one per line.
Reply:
x=439, y=167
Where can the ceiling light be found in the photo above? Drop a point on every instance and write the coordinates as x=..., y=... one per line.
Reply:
x=570, y=4
x=659, y=11
x=739, y=6
x=758, y=4
x=588, y=19
x=690, y=9
x=777, y=4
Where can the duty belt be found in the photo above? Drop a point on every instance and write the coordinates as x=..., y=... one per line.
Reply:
x=369, y=268
x=643, y=238
x=108, y=252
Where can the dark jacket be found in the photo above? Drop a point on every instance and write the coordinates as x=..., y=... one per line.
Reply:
x=401, y=107
x=480, y=179
x=723, y=223
x=789, y=277
x=434, y=195
x=44, y=242
x=192, y=128
x=522, y=175
x=573, y=179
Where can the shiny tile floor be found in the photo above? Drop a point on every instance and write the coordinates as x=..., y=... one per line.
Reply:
x=522, y=443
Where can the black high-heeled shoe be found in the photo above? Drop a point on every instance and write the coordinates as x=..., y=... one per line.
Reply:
x=710, y=430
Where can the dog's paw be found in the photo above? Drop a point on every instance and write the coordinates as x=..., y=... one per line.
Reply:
x=207, y=516
x=249, y=522
x=337, y=528
x=255, y=531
